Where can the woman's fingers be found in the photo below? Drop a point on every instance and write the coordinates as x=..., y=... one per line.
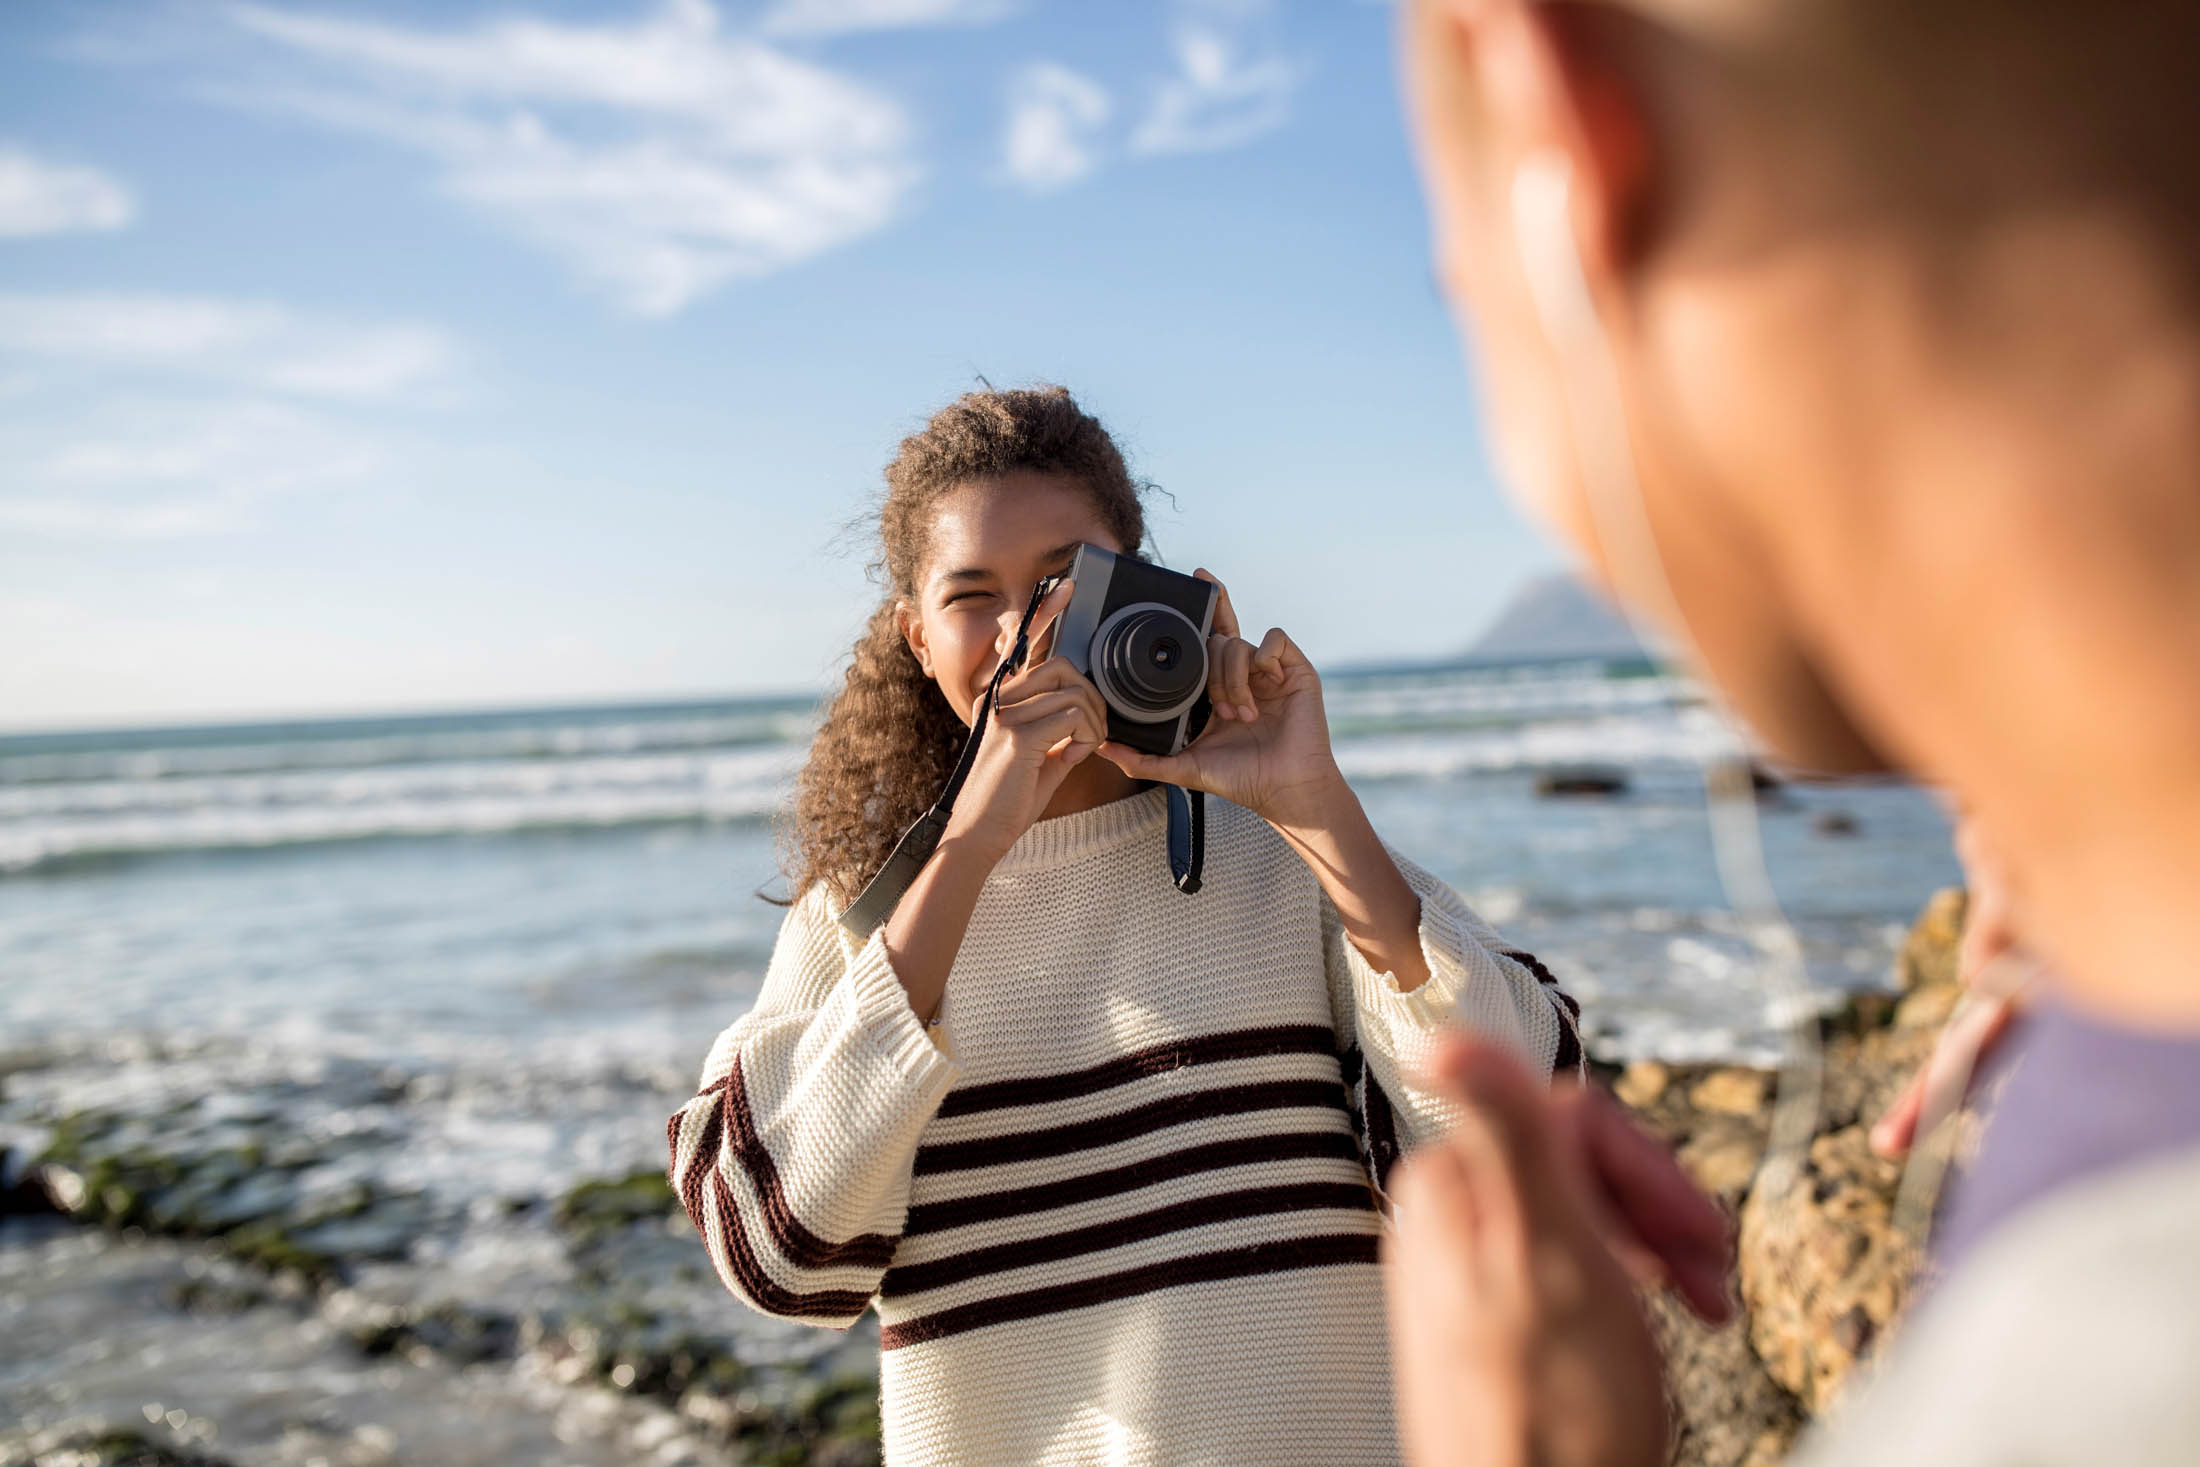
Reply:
x=1046, y=714
x=1040, y=644
x=1041, y=677
x=1225, y=622
x=1229, y=678
x=1177, y=769
x=1273, y=660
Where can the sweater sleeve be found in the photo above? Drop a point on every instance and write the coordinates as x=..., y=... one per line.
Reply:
x=794, y=1157
x=1476, y=981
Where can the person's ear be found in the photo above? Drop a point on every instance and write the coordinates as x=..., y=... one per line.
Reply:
x=912, y=632
x=1552, y=91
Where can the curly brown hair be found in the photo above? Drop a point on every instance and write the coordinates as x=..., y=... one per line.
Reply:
x=890, y=736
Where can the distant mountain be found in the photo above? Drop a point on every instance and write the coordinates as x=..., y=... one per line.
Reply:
x=1555, y=616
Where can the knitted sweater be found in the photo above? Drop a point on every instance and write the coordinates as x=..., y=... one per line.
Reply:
x=1120, y=1212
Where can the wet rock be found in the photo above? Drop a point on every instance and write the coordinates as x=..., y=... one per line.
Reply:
x=596, y=1207
x=24, y=1191
x=112, y=1447
x=1578, y=780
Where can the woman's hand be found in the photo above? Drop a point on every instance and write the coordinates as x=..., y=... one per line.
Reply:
x=1266, y=747
x=1047, y=721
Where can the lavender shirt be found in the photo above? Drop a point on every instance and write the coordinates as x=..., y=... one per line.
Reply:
x=2083, y=1097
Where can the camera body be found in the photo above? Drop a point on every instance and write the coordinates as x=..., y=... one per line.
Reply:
x=1139, y=633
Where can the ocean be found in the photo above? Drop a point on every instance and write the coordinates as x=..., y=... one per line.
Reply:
x=454, y=967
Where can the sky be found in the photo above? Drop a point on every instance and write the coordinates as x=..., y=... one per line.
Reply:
x=416, y=354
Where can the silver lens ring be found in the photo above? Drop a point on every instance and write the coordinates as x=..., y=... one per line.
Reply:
x=1127, y=702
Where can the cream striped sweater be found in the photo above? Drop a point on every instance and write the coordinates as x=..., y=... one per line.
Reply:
x=1120, y=1212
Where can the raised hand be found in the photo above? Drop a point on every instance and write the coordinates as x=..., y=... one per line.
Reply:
x=1266, y=747
x=1516, y=1335
x=1047, y=721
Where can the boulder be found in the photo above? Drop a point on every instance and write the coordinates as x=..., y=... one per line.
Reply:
x=1823, y=1272
x=1575, y=780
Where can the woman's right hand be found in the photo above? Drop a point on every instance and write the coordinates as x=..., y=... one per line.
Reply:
x=1048, y=721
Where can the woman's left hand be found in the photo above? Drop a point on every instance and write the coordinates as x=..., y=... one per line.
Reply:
x=1266, y=746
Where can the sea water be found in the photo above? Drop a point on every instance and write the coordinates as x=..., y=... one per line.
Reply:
x=477, y=959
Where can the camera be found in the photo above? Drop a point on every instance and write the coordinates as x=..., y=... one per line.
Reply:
x=1139, y=633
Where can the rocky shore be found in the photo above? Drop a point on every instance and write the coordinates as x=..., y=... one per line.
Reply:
x=1824, y=1271
x=173, y=1231
x=214, y=1217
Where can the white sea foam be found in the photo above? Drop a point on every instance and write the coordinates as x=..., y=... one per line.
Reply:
x=43, y=823
x=1662, y=737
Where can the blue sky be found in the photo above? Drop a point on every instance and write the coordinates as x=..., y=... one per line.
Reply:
x=416, y=355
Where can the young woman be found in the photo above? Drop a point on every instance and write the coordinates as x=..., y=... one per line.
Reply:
x=1100, y=1154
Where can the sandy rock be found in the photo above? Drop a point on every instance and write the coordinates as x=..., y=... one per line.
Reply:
x=1823, y=1274
x=1731, y=1092
x=1727, y=1411
x=1824, y=1271
x=1642, y=1083
x=1722, y=1159
x=1925, y=969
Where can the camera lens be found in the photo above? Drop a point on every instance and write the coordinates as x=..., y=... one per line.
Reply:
x=1149, y=662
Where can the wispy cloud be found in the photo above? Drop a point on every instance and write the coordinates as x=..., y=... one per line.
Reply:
x=145, y=416
x=1230, y=86
x=661, y=159
x=1054, y=120
x=39, y=197
x=248, y=343
x=160, y=471
x=836, y=17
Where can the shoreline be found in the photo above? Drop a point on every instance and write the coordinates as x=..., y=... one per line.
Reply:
x=219, y=1214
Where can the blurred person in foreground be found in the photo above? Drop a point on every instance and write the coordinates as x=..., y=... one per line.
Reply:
x=1857, y=344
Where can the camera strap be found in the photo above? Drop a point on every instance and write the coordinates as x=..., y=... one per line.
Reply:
x=878, y=899
x=1187, y=836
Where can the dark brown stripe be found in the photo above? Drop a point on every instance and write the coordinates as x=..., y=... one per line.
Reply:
x=803, y=1248
x=832, y=1304
x=1328, y=1250
x=1205, y=1049
x=1382, y=1134
x=956, y=1212
x=1533, y=964
x=690, y=1187
x=914, y=1278
x=1569, y=1036
x=1154, y=1115
x=1568, y=1057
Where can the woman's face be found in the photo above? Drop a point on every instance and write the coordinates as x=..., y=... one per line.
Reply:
x=992, y=541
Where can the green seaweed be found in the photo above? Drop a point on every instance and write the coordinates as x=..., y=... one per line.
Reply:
x=606, y=1205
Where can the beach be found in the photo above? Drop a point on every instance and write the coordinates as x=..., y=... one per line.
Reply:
x=345, y=1048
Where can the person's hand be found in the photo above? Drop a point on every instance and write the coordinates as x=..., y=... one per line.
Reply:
x=1047, y=721
x=1516, y=1335
x=1266, y=747
x=1996, y=973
